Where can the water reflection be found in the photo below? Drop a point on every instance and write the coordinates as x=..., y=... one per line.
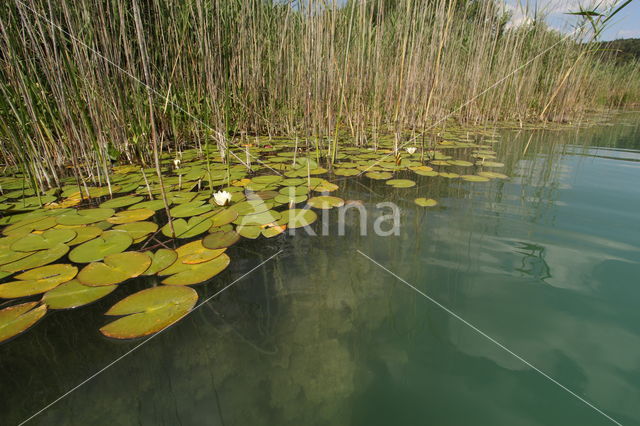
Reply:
x=547, y=263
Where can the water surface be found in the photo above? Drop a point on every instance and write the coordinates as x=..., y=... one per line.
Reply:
x=547, y=263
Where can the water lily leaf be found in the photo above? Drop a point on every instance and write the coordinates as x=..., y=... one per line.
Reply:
x=220, y=239
x=46, y=240
x=494, y=164
x=325, y=202
x=115, y=269
x=272, y=231
x=474, y=178
x=39, y=258
x=130, y=216
x=379, y=175
x=161, y=259
x=121, y=201
x=151, y=205
x=224, y=217
x=493, y=175
x=187, y=229
x=84, y=234
x=297, y=218
x=249, y=231
x=345, y=172
x=267, y=179
x=460, y=163
x=292, y=191
x=38, y=281
x=138, y=230
x=430, y=173
x=9, y=256
x=262, y=218
x=425, y=202
x=420, y=168
x=400, y=183
x=449, y=175
x=193, y=208
x=73, y=294
x=84, y=217
x=200, y=272
x=110, y=242
x=16, y=319
x=193, y=253
x=28, y=225
x=149, y=311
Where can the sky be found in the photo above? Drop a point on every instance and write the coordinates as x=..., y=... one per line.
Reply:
x=626, y=24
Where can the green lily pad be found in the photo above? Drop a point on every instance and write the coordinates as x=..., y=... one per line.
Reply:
x=493, y=175
x=10, y=256
x=220, y=239
x=39, y=258
x=400, y=183
x=115, y=269
x=149, y=311
x=137, y=230
x=345, y=172
x=325, y=186
x=292, y=191
x=160, y=260
x=46, y=240
x=325, y=202
x=16, y=319
x=151, y=205
x=38, y=281
x=425, y=202
x=249, y=231
x=448, y=175
x=429, y=173
x=73, y=294
x=492, y=164
x=257, y=219
x=272, y=231
x=284, y=199
x=130, y=216
x=187, y=229
x=84, y=217
x=200, y=272
x=297, y=218
x=193, y=253
x=474, y=178
x=121, y=201
x=84, y=234
x=110, y=242
x=379, y=175
x=460, y=163
x=224, y=217
x=193, y=208
x=250, y=207
x=30, y=224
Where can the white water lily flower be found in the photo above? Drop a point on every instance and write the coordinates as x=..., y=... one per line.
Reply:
x=176, y=163
x=222, y=197
x=411, y=149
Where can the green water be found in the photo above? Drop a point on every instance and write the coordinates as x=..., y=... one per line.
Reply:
x=547, y=263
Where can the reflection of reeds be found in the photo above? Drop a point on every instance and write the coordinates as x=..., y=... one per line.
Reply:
x=312, y=69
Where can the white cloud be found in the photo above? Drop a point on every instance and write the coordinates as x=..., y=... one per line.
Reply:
x=628, y=34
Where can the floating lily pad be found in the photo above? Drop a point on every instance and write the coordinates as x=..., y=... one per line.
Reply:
x=297, y=218
x=493, y=175
x=325, y=186
x=193, y=253
x=151, y=205
x=325, y=202
x=149, y=311
x=84, y=217
x=187, y=229
x=110, y=242
x=115, y=269
x=39, y=258
x=190, y=209
x=460, y=163
x=130, y=216
x=30, y=224
x=425, y=202
x=38, y=281
x=220, y=239
x=262, y=218
x=161, y=259
x=16, y=319
x=73, y=294
x=400, y=183
x=121, y=201
x=492, y=164
x=224, y=217
x=46, y=240
x=200, y=272
x=138, y=230
x=474, y=178
x=250, y=231
x=273, y=230
x=84, y=234
x=379, y=175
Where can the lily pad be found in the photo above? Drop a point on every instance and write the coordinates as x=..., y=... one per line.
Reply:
x=38, y=281
x=46, y=240
x=379, y=175
x=224, y=217
x=115, y=269
x=493, y=175
x=161, y=259
x=325, y=202
x=84, y=234
x=425, y=202
x=474, y=178
x=250, y=231
x=121, y=201
x=84, y=217
x=149, y=311
x=400, y=183
x=187, y=229
x=193, y=208
x=130, y=216
x=200, y=272
x=73, y=294
x=110, y=242
x=16, y=319
x=220, y=239
x=39, y=258
x=257, y=219
x=297, y=218
x=195, y=252
x=138, y=230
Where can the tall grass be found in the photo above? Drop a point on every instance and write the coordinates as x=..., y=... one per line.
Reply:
x=72, y=74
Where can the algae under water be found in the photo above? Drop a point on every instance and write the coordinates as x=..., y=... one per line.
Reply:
x=546, y=262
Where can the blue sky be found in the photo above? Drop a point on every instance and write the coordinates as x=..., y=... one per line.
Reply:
x=625, y=24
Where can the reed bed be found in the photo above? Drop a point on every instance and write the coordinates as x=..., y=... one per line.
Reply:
x=86, y=82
